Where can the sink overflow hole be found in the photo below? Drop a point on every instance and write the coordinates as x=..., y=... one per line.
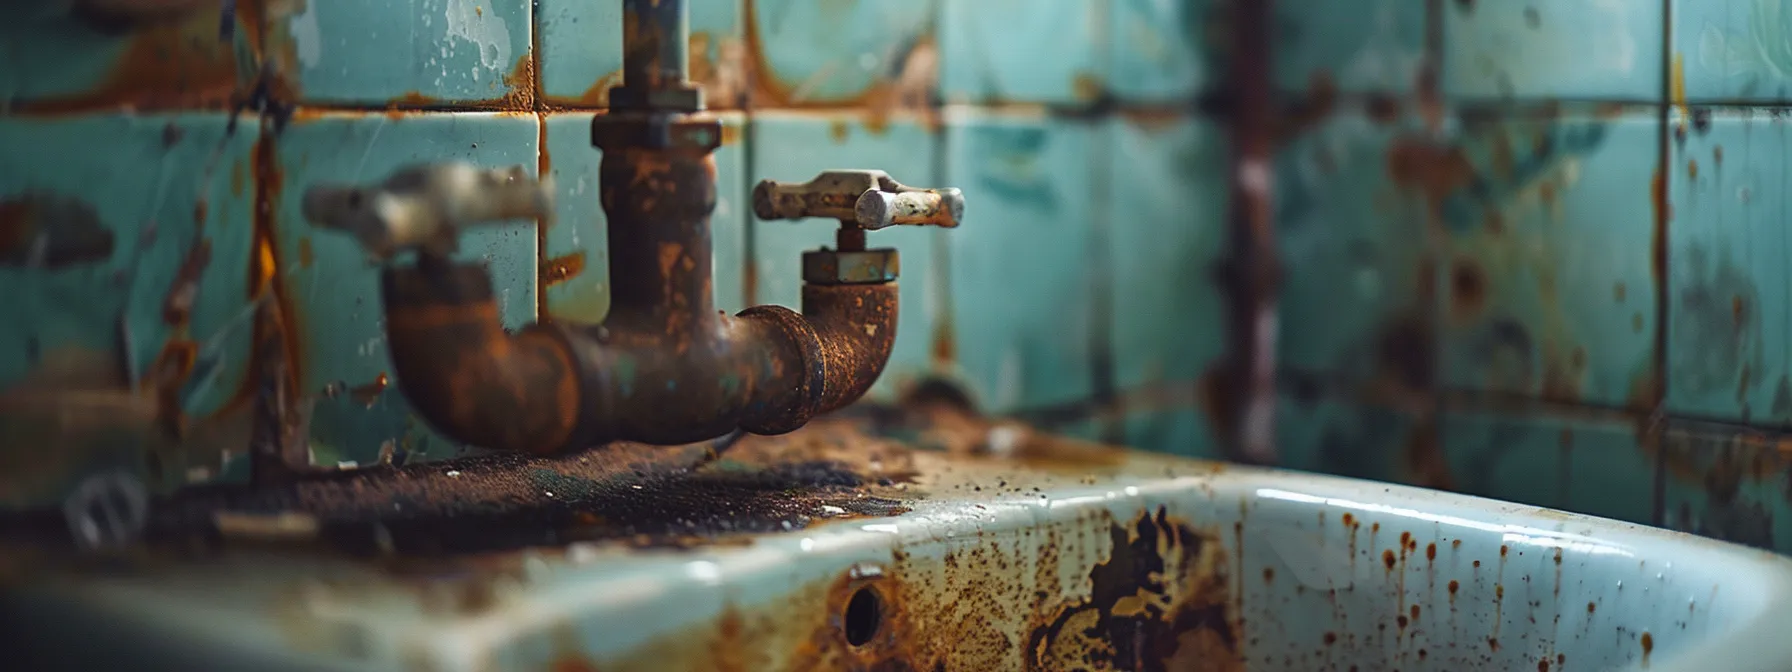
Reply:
x=864, y=615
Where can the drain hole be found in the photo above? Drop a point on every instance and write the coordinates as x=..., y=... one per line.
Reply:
x=864, y=615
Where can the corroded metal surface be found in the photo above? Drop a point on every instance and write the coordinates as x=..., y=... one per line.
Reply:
x=466, y=374
x=664, y=367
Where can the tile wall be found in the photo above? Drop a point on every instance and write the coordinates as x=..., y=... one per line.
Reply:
x=1529, y=246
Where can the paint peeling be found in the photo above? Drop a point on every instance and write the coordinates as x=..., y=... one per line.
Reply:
x=307, y=41
x=467, y=21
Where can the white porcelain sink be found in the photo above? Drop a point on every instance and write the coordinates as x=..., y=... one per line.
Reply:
x=1055, y=555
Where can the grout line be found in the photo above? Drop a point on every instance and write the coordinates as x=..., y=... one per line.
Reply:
x=1663, y=262
x=749, y=278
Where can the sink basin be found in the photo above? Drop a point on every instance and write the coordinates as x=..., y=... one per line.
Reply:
x=960, y=545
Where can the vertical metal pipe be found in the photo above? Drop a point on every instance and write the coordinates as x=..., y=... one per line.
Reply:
x=655, y=55
x=1255, y=270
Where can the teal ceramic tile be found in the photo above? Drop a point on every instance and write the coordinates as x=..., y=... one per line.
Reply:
x=1353, y=225
x=56, y=60
x=1166, y=231
x=1525, y=49
x=795, y=147
x=1021, y=266
x=1160, y=50
x=575, y=269
x=1347, y=438
x=1356, y=45
x=1728, y=482
x=1176, y=431
x=1733, y=50
x=1034, y=51
x=1548, y=286
x=421, y=51
x=581, y=50
x=336, y=292
x=127, y=241
x=575, y=262
x=848, y=52
x=730, y=225
x=1730, y=338
x=1600, y=467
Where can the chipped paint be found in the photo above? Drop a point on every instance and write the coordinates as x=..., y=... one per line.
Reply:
x=485, y=33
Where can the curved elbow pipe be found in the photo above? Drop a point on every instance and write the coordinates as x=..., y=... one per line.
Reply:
x=551, y=388
x=464, y=374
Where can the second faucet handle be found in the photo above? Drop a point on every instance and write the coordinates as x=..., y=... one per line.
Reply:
x=425, y=207
x=867, y=199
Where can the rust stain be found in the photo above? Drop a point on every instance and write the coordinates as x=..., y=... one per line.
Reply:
x=1692, y=168
x=944, y=343
x=521, y=84
x=53, y=230
x=838, y=131
x=183, y=292
x=163, y=66
x=278, y=322
x=718, y=66
x=908, y=89
x=1677, y=89
x=596, y=96
x=1153, y=120
x=370, y=392
x=1434, y=170
x=1383, y=109
x=1468, y=289
x=1087, y=87
x=562, y=268
x=407, y=103
x=307, y=255
x=1183, y=622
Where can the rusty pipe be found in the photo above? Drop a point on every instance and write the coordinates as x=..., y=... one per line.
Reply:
x=463, y=373
x=656, y=58
x=660, y=373
x=664, y=367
